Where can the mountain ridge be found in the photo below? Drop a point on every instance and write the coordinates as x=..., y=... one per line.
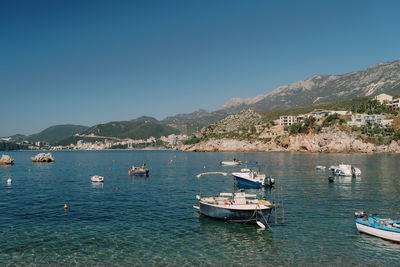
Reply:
x=379, y=78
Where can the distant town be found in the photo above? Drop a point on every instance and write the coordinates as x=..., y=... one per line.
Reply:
x=164, y=142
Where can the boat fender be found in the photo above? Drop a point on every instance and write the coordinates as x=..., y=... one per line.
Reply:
x=226, y=203
x=261, y=201
x=262, y=226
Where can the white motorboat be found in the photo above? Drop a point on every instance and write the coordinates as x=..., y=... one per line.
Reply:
x=97, y=178
x=233, y=162
x=253, y=178
x=235, y=207
x=384, y=228
x=345, y=170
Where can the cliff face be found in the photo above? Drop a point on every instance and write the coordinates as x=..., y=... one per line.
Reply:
x=328, y=140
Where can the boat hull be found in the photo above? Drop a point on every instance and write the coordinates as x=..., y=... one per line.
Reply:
x=139, y=173
x=234, y=215
x=248, y=183
x=230, y=163
x=390, y=235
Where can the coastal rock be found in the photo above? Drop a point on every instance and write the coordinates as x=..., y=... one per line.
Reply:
x=43, y=157
x=220, y=145
x=330, y=139
x=6, y=160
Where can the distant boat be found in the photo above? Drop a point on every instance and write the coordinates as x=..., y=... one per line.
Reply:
x=253, y=178
x=235, y=207
x=345, y=170
x=139, y=171
x=384, y=228
x=234, y=162
x=97, y=178
x=320, y=167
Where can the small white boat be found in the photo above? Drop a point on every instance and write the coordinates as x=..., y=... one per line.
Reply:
x=97, y=178
x=384, y=228
x=234, y=162
x=320, y=167
x=345, y=170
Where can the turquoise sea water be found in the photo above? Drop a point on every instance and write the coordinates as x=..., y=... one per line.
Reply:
x=151, y=221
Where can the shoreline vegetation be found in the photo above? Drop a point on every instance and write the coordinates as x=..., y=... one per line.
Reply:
x=341, y=132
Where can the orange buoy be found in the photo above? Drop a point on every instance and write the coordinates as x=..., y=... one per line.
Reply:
x=65, y=206
x=29, y=170
x=109, y=169
x=79, y=164
x=168, y=163
x=116, y=189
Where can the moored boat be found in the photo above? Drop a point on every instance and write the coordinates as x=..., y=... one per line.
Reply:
x=139, y=171
x=320, y=167
x=97, y=178
x=345, y=170
x=235, y=207
x=233, y=162
x=253, y=178
x=384, y=228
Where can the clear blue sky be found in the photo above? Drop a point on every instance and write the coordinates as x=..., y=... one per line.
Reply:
x=89, y=62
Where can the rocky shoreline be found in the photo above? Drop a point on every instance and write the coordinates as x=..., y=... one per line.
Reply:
x=330, y=140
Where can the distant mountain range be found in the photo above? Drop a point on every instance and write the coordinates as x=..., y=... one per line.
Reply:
x=379, y=78
x=56, y=133
x=140, y=128
x=52, y=135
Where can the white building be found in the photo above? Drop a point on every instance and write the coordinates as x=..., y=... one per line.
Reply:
x=394, y=104
x=287, y=120
x=382, y=98
x=363, y=119
x=172, y=140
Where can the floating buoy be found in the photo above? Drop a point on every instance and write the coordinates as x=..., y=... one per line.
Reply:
x=79, y=164
x=29, y=170
x=109, y=169
x=116, y=189
x=169, y=163
x=9, y=181
x=65, y=206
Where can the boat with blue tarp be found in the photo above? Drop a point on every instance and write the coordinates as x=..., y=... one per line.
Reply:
x=387, y=229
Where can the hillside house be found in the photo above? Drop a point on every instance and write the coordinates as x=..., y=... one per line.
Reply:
x=287, y=120
x=383, y=98
x=394, y=104
x=363, y=119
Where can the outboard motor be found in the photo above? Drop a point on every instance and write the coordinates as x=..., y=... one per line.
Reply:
x=353, y=171
x=360, y=214
x=269, y=181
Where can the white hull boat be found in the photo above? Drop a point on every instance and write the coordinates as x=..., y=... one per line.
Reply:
x=97, y=178
x=235, y=207
x=231, y=163
x=384, y=228
x=345, y=170
x=248, y=177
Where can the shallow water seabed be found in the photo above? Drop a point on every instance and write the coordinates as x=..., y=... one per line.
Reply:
x=151, y=221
